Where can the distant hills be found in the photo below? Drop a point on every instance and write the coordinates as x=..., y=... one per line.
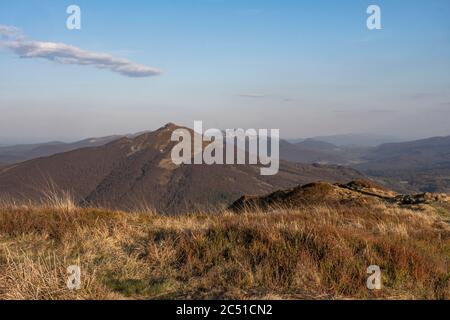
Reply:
x=99, y=170
x=315, y=151
x=354, y=140
x=422, y=154
x=311, y=151
x=18, y=153
x=137, y=171
x=416, y=165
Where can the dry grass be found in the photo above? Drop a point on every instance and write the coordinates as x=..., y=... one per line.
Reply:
x=317, y=253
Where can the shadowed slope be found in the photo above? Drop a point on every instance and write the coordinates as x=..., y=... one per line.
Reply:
x=138, y=171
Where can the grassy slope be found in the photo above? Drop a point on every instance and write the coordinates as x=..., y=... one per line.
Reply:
x=311, y=253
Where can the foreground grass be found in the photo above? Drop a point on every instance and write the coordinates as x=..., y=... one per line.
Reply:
x=312, y=253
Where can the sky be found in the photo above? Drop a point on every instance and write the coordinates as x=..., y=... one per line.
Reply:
x=307, y=67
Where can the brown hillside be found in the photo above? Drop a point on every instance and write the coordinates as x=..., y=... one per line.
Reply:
x=130, y=173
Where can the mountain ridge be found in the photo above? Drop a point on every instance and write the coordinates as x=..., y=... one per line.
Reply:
x=139, y=170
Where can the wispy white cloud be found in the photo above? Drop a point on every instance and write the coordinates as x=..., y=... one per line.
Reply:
x=252, y=95
x=68, y=54
x=264, y=96
x=9, y=31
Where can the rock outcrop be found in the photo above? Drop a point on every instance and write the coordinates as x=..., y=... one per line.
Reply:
x=358, y=192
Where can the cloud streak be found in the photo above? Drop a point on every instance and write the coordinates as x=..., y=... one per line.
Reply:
x=67, y=54
x=251, y=95
x=9, y=31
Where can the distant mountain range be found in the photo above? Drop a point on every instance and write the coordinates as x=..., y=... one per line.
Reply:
x=10, y=154
x=103, y=170
x=18, y=153
x=414, y=166
x=315, y=151
x=138, y=171
x=354, y=140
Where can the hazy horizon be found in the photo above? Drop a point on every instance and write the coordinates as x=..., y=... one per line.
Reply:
x=309, y=68
x=10, y=141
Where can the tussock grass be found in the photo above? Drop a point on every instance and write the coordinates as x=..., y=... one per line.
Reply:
x=310, y=253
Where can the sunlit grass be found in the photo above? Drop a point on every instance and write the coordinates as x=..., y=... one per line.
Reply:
x=318, y=252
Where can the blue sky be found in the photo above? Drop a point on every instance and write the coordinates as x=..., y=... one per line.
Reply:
x=306, y=67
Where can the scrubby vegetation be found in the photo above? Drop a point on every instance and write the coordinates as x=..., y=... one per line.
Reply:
x=310, y=253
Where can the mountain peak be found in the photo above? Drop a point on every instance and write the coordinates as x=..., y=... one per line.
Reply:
x=169, y=126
